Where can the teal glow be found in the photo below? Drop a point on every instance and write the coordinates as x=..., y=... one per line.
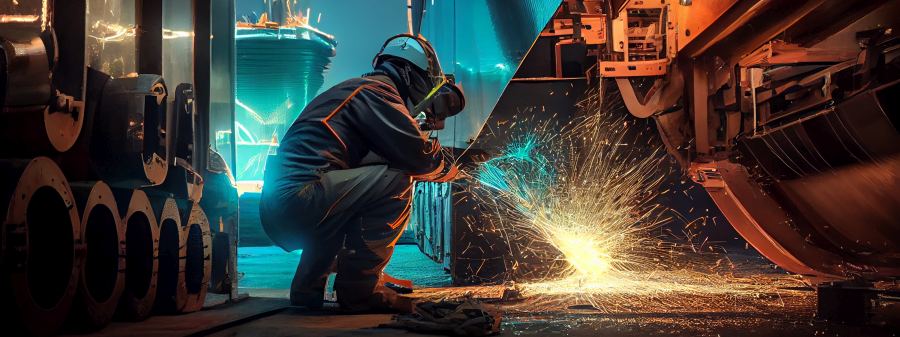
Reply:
x=359, y=27
x=271, y=267
x=278, y=71
x=521, y=170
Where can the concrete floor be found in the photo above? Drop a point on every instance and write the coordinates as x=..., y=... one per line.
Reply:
x=298, y=322
x=787, y=316
x=267, y=271
x=777, y=307
x=768, y=303
x=193, y=324
x=793, y=319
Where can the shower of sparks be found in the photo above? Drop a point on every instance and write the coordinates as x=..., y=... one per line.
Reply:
x=587, y=193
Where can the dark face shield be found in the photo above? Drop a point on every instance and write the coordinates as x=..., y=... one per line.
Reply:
x=446, y=100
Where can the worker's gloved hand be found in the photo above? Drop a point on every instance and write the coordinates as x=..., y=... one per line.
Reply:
x=444, y=169
x=450, y=173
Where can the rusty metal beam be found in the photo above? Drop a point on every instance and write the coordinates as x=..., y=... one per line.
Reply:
x=762, y=28
x=783, y=53
x=700, y=106
x=733, y=18
x=828, y=19
x=747, y=25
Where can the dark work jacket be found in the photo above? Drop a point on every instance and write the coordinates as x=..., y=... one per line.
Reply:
x=343, y=125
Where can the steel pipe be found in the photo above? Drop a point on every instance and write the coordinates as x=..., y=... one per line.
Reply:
x=32, y=115
x=103, y=273
x=26, y=69
x=141, y=256
x=41, y=248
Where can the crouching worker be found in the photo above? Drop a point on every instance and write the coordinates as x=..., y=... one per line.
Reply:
x=339, y=187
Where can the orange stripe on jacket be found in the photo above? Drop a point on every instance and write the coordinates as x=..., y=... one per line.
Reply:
x=349, y=98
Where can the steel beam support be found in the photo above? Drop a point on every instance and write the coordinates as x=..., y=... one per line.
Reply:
x=700, y=106
x=149, y=36
x=202, y=37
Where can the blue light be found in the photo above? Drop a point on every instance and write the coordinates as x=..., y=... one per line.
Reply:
x=521, y=170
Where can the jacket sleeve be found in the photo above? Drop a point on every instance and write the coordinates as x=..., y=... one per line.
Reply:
x=384, y=122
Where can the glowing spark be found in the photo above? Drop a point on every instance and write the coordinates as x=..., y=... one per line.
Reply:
x=588, y=192
x=45, y=8
x=584, y=253
x=9, y=18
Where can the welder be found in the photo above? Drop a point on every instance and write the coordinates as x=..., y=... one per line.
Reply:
x=339, y=186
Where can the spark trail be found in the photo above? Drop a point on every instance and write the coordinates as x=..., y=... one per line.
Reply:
x=589, y=193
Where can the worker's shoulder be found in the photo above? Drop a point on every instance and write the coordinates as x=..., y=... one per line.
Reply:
x=365, y=85
x=381, y=88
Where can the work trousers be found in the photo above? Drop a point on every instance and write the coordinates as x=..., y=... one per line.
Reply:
x=362, y=210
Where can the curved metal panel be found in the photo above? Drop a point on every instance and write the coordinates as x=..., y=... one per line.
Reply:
x=835, y=174
x=482, y=43
x=765, y=226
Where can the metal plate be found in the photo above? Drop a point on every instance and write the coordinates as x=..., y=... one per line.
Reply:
x=481, y=42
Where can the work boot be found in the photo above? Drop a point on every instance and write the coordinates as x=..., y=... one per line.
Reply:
x=308, y=293
x=382, y=300
x=308, y=285
x=312, y=300
x=387, y=278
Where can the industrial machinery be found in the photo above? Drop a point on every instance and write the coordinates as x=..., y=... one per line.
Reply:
x=114, y=204
x=118, y=133
x=785, y=112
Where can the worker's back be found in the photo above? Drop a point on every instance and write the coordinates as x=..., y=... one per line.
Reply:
x=338, y=128
x=319, y=139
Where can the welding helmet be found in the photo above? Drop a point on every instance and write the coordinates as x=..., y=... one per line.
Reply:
x=445, y=99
